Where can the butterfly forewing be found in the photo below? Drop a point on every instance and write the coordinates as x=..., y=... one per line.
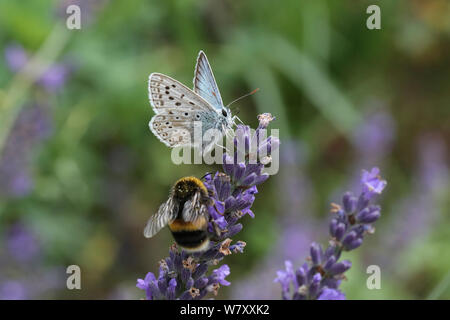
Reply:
x=177, y=108
x=166, y=94
x=204, y=82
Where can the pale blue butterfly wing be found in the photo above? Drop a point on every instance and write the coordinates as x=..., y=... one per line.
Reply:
x=205, y=84
x=178, y=109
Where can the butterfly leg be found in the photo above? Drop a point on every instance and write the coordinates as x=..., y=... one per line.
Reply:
x=236, y=117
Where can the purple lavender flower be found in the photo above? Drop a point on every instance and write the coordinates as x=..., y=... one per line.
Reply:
x=321, y=276
x=184, y=276
x=32, y=126
x=21, y=243
x=23, y=257
x=15, y=57
x=417, y=212
x=13, y=290
x=331, y=294
x=373, y=138
x=52, y=79
x=372, y=183
x=295, y=190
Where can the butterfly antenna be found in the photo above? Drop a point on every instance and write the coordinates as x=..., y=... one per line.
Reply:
x=245, y=95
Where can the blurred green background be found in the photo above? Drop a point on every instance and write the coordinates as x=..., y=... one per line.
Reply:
x=80, y=172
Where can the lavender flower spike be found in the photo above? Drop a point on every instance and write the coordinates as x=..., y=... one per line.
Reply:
x=319, y=279
x=185, y=276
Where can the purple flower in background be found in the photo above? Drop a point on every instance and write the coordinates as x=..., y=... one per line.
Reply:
x=21, y=243
x=55, y=77
x=52, y=79
x=184, y=276
x=417, y=213
x=373, y=138
x=23, y=275
x=15, y=57
x=321, y=276
x=32, y=126
x=13, y=290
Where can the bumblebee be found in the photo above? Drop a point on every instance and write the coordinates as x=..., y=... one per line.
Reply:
x=186, y=214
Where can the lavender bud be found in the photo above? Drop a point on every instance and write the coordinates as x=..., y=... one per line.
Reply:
x=200, y=271
x=300, y=275
x=227, y=164
x=315, y=285
x=349, y=202
x=333, y=226
x=354, y=244
x=238, y=171
x=190, y=283
x=249, y=180
x=330, y=262
x=185, y=275
x=201, y=283
x=233, y=230
x=156, y=294
x=162, y=285
x=316, y=253
x=330, y=251
x=340, y=230
x=340, y=267
x=368, y=216
x=261, y=178
x=362, y=202
x=177, y=263
x=186, y=295
x=349, y=238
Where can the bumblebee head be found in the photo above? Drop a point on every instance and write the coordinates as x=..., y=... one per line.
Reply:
x=186, y=187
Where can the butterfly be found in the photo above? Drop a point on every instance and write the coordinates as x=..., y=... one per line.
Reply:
x=179, y=109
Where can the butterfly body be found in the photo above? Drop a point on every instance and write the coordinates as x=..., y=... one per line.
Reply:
x=179, y=109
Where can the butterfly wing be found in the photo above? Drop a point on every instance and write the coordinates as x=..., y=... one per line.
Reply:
x=205, y=84
x=166, y=213
x=177, y=109
x=167, y=94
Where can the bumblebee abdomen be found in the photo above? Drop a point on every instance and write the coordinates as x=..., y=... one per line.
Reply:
x=192, y=236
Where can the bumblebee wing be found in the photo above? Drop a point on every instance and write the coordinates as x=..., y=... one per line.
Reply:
x=166, y=213
x=193, y=208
